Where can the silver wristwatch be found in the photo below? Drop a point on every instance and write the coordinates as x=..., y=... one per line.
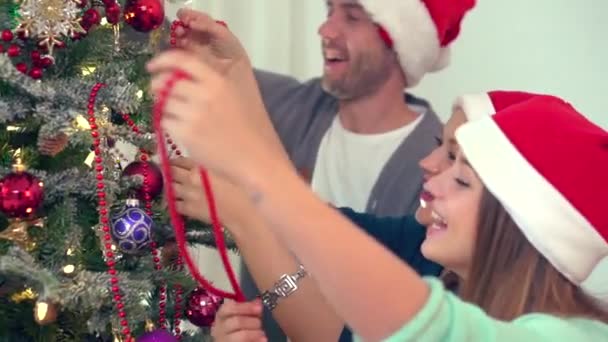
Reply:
x=286, y=285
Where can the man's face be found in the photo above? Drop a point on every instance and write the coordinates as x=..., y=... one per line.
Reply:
x=356, y=59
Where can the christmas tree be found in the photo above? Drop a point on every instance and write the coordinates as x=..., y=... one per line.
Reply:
x=86, y=251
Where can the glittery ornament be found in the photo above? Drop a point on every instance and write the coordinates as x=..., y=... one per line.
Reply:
x=144, y=15
x=202, y=307
x=20, y=193
x=48, y=21
x=132, y=228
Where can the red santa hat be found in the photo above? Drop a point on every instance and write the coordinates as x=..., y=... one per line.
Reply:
x=420, y=31
x=477, y=106
x=548, y=166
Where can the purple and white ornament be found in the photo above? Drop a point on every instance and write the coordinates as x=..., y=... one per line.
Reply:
x=157, y=336
x=132, y=228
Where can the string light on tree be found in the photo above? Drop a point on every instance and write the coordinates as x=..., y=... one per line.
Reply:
x=45, y=313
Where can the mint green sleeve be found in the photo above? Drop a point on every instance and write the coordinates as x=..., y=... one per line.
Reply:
x=446, y=318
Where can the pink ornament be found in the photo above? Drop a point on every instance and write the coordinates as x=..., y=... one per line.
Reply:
x=202, y=307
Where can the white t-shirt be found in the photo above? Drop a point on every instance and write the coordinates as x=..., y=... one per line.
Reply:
x=348, y=164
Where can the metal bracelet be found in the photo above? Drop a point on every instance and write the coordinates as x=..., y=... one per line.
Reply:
x=283, y=288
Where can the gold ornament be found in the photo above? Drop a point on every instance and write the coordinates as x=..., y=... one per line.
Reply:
x=16, y=232
x=49, y=21
x=117, y=337
x=156, y=38
x=27, y=294
x=116, y=32
x=149, y=325
x=45, y=312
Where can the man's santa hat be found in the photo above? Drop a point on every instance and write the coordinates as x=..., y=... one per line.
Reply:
x=548, y=166
x=420, y=31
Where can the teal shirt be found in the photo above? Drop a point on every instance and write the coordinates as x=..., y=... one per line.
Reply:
x=446, y=318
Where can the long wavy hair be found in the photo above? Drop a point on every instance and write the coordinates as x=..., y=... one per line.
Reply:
x=510, y=278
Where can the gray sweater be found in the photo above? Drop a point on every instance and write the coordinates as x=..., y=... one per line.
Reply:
x=302, y=113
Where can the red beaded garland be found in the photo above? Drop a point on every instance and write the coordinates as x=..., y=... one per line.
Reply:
x=103, y=213
x=162, y=320
x=175, y=217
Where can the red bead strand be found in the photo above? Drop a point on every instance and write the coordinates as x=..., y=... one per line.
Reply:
x=162, y=318
x=176, y=219
x=104, y=214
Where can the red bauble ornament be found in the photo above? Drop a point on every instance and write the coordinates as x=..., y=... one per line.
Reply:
x=144, y=15
x=7, y=35
x=90, y=18
x=20, y=194
x=46, y=62
x=113, y=13
x=36, y=73
x=22, y=67
x=155, y=178
x=13, y=50
x=202, y=307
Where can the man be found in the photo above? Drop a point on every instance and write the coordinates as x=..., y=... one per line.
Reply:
x=353, y=132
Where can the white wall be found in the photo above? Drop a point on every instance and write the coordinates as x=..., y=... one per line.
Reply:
x=550, y=46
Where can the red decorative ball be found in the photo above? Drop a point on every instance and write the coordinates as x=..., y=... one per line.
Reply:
x=113, y=13
x=144, y=15
x=46, y=62
x=36, y=73
x=7, y=35
x=35, y=56
x=202, y=307
x=22, y=67
x=155, y=178
x=13, y=50
x=90, y=18
x=20, y=194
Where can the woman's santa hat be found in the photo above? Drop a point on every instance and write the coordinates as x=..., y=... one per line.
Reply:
x=420, y=31
x=548, y=166
x=477, y=106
